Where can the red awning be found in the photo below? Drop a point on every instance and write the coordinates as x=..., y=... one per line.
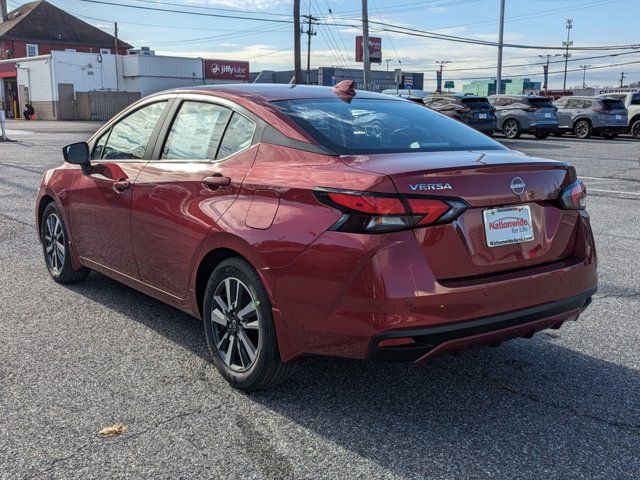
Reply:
x=8, y=69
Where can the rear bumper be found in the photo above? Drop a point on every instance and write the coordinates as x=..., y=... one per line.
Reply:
x=458, y=337
x=542, y=126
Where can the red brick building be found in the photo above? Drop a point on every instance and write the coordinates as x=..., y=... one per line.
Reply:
x=38, y=27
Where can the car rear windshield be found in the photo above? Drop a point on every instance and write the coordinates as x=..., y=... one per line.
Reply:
x=541, y=102
x=363, y=126
x=612, y=105
x=477, y=103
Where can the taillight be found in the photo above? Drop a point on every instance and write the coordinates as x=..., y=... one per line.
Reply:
x=574, y=197
x=366, y=212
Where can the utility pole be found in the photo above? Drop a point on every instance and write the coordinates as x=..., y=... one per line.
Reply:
x=584, y=75
x=500, y=46
x=310, y=33
x=622, y=80
x=297, y=54
x=442, y=63
x=4, y=13
x=388, y=60
x=366, y=71
x=115, y=28
x=569, y=25
x=546, y=73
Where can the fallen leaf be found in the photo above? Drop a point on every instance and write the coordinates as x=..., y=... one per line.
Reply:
x=116, y=429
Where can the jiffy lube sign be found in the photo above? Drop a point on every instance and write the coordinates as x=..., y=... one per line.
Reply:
x=226, y=70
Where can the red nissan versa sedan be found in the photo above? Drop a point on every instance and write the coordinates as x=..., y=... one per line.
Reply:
x=302, y=220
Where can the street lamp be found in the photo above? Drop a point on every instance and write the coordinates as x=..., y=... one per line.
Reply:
x=546, y=73
x=442, y=63
x=584, y=74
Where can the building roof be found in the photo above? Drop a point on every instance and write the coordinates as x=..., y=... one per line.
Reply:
x=42, y=22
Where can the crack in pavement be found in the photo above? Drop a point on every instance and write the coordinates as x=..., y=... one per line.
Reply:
x=628, y=427
x=124, y=438
x=617, y=295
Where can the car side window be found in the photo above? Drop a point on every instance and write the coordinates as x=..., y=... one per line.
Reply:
x=635, y=100
x=196, y=131
x=573, y=104
x=587, y=104
x=129, y=137
x=238, y=136
x=98, y=148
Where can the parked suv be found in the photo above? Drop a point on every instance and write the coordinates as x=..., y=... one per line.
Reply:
x=631, y=102
x=517, y=114
x=586, y=116
x=473, y=110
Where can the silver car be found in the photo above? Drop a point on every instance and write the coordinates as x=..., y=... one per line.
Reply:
x=518, y=114
x=586, y=116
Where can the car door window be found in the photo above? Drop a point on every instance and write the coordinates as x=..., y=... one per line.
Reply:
x=130, y=136
x=98, y=148
x=196, y=131
x=587, y=104
x=238, y=136
x=573, y=104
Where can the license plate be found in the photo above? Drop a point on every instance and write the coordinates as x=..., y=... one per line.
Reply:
x=482, y=116
x=508, y=225
x=547, y=115
x=618, y=117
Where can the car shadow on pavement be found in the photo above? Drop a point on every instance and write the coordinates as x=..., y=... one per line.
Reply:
x=532, y=408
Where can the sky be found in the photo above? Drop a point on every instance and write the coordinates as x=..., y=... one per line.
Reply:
x=269, y=45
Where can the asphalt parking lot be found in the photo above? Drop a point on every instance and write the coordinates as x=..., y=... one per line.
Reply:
x=565, y=404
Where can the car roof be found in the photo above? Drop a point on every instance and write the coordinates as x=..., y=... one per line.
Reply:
x=457, y=95
x=270, y=92
x=506, y=95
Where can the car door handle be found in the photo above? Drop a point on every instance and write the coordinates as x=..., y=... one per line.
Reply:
x=121, y=185
x=214, y=182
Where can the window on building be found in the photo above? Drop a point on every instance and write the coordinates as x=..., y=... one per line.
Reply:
x=130, y=136
x=32, y=50
x=70, y=50
x=196, y=132
x=237, y=137
x=106, y=51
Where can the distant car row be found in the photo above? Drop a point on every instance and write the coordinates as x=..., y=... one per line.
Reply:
x=513, y=115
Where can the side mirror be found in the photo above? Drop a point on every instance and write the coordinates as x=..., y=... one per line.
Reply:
x=78, y=154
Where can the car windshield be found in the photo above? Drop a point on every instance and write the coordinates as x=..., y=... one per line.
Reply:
x=541, y=102
x=363, y=126
x=612, y=105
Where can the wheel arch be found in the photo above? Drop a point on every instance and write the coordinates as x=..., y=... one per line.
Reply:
x=207, y=264
x=587, y=119
x=45, y=200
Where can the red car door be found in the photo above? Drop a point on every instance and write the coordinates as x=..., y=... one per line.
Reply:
x=100, y=202
x=179, y=196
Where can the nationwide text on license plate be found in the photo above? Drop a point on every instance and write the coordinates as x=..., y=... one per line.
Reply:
x=508, y=225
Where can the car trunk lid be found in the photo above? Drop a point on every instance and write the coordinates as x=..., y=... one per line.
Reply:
x=484, y=180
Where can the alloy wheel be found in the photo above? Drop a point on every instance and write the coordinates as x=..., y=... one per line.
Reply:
x=54, y=243
x=511, y=129
x=635, y=130
x=582, y=129
x=235, y=323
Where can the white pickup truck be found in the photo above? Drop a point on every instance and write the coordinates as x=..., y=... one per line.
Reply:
x=631, y=101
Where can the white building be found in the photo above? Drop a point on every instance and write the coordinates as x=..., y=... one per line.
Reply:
x=72, y=85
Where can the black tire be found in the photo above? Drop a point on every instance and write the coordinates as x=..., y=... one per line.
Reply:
x=557, y=133
x=266, y=369
x=56, y=258
x=635, y=129
x=582, y=129
x=610, y=136
x=511, y=129
x=541, y=135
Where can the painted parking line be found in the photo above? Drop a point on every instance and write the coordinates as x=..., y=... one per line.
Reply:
x=616, y=192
